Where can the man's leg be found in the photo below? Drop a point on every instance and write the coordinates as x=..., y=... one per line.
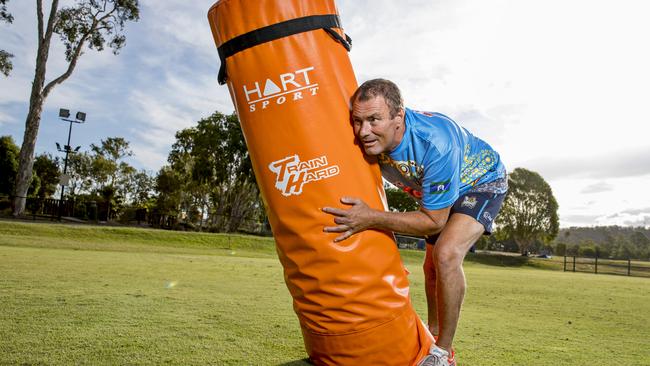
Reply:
x=430, y=289
x=459, y=234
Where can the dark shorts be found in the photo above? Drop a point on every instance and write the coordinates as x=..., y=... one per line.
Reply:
x=482, y=206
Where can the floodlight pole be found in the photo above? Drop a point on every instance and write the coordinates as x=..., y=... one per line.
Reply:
x=79, y=118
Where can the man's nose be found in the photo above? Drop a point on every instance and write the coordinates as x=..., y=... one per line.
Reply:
x=364, y=129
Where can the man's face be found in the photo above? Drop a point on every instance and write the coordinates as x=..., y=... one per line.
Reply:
x=376, y=131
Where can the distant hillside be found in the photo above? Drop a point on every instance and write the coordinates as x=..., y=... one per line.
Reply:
x=608, y=241
x=599, y=234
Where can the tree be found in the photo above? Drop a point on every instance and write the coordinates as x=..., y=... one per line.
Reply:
x=107, y=166
x=168, y=183
x=5, y=16
x=573, y=250
x=95, y=23
x=104, y=174
x=639, y=240
x=5, y=62
x=529, y=211
x=587, y=249
x=612, y=241
x=399, y=200
x=79, y=168
x=5, y=57
x=623, y=249
x=486, y=242
x=140, y=187
x=8, y=164
x=602, y=251
x=211, y=166
x=226, y=169
x=179, y=182
x=46, y=169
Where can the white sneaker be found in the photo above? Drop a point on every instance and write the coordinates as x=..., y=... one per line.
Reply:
x=437, y=357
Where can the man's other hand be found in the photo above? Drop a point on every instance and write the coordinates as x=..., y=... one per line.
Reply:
x=357, y=218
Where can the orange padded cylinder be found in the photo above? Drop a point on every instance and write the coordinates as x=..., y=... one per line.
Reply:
x=292, y=98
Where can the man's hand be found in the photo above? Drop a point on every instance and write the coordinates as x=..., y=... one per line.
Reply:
x=357, y=218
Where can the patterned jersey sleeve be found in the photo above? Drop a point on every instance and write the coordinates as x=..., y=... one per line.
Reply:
x=441, y=182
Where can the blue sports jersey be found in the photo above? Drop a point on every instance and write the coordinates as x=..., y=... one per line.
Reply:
x=438, y=160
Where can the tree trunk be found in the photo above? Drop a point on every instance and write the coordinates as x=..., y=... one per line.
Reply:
x=523, y=246
x=32, y=124
x=36, y=100
x=26, y=163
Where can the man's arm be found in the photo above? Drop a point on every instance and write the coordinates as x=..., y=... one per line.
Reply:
x=360, y=217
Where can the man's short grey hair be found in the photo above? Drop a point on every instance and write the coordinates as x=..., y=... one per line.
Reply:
x=381, y=87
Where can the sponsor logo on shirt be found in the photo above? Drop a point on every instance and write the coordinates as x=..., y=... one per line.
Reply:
x=469, y=202
x=292, y=174
x=290, y=87
x=439, y=187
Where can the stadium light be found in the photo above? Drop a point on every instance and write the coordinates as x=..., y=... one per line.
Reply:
x=80, y=117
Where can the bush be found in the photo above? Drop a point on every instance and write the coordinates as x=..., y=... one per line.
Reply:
x=127, y=215
x=587, y=251
x=5, y=203
x=80, y=211
x=184, y=226
x=213, y=229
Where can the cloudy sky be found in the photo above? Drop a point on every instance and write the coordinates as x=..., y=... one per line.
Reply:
x=558, y=87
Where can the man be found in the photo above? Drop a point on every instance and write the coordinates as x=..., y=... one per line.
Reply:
x=458, y=179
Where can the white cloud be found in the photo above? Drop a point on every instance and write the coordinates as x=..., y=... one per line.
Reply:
x=597, y=188
x=159, y=119
x=185, y=25
x=625, y=163
x=624, y=200
x=580, y=220
x=6, y=119
x=178, y=103
x=626, y=219
x=150, y=157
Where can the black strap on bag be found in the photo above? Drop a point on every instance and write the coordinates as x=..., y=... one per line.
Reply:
x=280, y=30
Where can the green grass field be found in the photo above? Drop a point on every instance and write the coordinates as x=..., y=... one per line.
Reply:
x=106, y=296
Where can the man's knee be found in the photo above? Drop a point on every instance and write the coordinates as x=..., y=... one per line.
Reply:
x=448, y=256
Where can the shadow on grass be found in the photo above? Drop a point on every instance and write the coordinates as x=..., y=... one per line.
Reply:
x=303, y=362
x=497, y=259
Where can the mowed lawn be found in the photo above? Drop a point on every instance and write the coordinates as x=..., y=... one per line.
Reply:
x=106, y=296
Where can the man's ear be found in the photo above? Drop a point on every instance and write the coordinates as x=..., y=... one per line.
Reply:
x=400, y=115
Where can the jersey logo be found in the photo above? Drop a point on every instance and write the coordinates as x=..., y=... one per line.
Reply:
x=439, y=187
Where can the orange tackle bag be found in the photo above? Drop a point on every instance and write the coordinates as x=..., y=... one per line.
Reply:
x=287, y=68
